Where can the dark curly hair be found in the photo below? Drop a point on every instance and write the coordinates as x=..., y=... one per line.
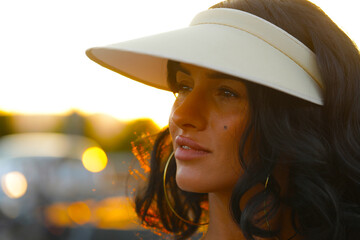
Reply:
x=319, y=145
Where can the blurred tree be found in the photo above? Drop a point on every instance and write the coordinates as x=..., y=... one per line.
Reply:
x=74, y=124
x=104, y=129
x=135, y=130
x=5, y=126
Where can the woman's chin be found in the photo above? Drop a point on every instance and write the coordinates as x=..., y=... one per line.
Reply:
x=189, y=184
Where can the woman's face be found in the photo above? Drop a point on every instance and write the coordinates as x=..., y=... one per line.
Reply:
x=206, y=123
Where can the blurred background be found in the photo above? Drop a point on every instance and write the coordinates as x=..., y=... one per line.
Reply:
x=69, y=177
x=67, y=125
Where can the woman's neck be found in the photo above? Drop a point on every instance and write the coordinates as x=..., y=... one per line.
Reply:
x=222, y=226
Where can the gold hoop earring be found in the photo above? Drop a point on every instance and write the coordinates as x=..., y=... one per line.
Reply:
x=167, y=198
x=265, y=212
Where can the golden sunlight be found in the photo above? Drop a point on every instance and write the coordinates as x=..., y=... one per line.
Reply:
x=94, y=159
x=14, y=184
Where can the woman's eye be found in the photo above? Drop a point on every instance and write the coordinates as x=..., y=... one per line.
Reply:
x=183, y=88
x=227, y=93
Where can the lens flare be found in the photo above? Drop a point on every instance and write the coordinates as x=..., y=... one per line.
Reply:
x=14, y=184
x=94, y=159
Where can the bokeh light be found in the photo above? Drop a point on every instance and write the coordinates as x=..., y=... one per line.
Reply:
x=115, y=213
x=57, y=215
x=14, y=184
x=79, y=212
x=94, y=159
x=109, y=213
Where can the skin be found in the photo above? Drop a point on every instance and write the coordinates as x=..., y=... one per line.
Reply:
x=210, y=110
x=206, y=123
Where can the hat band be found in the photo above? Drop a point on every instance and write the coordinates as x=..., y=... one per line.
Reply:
x=267, y=32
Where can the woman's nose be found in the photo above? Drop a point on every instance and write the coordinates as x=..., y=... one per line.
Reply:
x=190, y=111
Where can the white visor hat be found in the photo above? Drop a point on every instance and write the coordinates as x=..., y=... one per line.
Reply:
x=226, y=40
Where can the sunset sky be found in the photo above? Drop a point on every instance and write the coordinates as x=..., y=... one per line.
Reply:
x=43, y=64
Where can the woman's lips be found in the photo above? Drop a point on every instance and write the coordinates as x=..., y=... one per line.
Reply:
x=188, y=149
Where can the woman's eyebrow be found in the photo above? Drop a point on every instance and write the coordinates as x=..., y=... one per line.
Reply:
x=181, y=69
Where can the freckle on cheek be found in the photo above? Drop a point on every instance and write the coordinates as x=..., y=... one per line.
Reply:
x=225, y=127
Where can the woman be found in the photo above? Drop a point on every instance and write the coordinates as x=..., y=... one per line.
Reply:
x=264, y=135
